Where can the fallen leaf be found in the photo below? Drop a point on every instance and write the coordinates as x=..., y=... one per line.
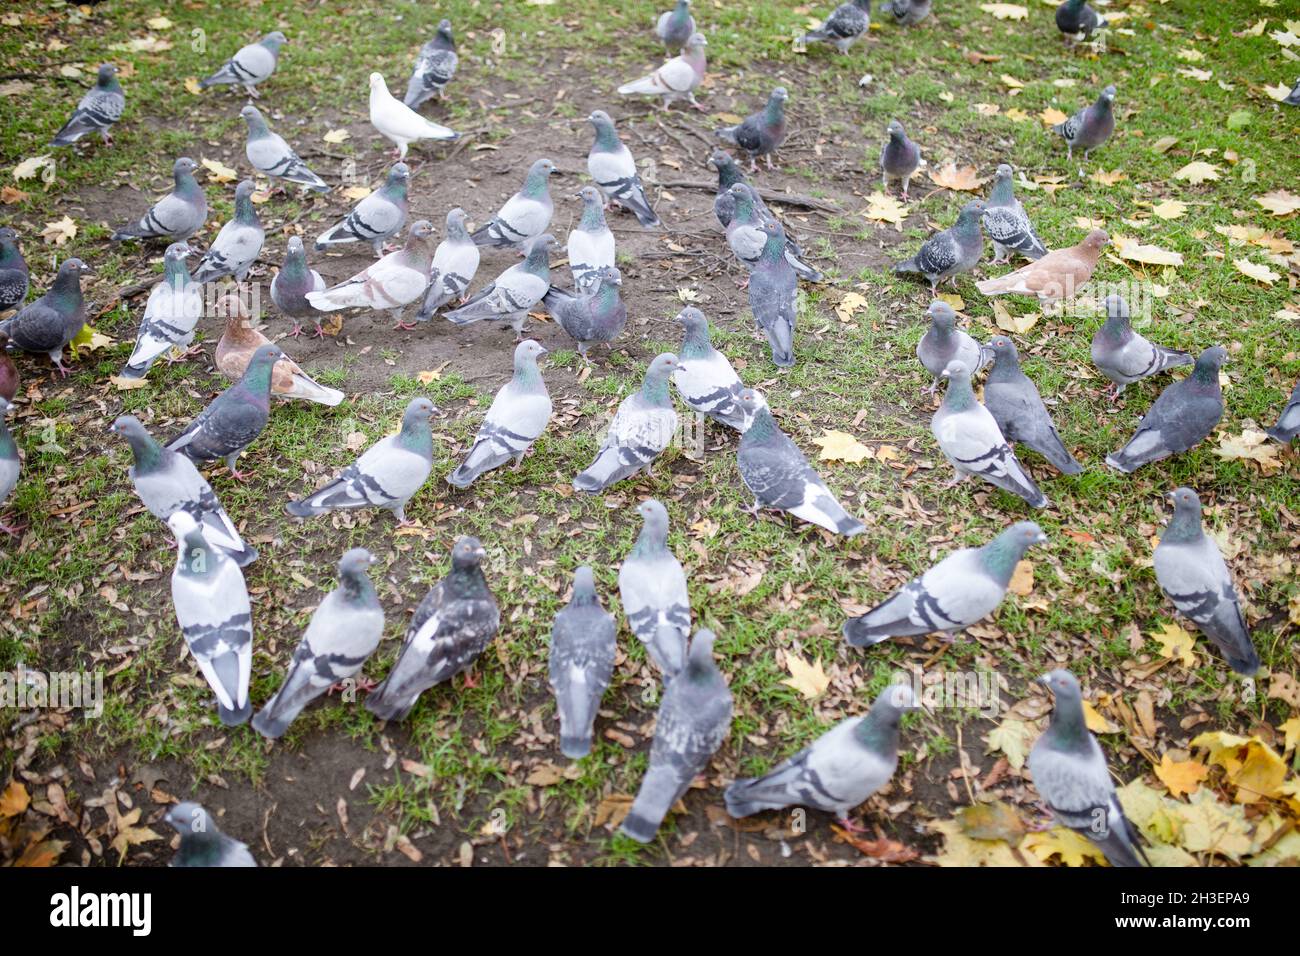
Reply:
x=1108, y=178
x=28, y=168
x=1260, y=273
x=1279, y=202
x=961, y=850
x=1278, y=93
x=965, y=179
x=125, y=383
x=1169, y=209
x=219, y=172
x=1071, y=848
x=158, y=23
x=1164, y=144
x=192, y=86
x=1181, y=777
x=1197, y=172
x=1052, y=116
x=128, y=834
x=1129, y=248
x=1175, y=642
x=841, y=446
x=991, y=821
x=1096, y=721
x=1019, y=324
x=337, y=136
x=1252, y=766
x=849, y=304
x=1022, y=578
x=1013, y=737
x=14, y=801
x=1006, y=11
x=57, y=233
x=1251, y=445
x=810, y=680
x=11, y=196
x=1292, y=731
x=356, y=193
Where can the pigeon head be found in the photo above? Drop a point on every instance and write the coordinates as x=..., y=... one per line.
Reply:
x=183, y=525
x=106, y=73
x=266, y=355
x=699, y=659
x=73, y=269
x=780, y=94
x=692, y=319
x=7, y=235
x=129, y=427
x=418, y=410
x=421, y=231
x=184, y=167
x=1064, y=685
x=1108, y=94
x=584, y=586
x=1208, y=363
x=955, y=371
x=400, y=172
x=189, y=819
x=1117, y=308
x=942, y=315
x=1025, y=534
x=609, y=275
x=274, y=40
x=538, y=249
x=1184, y=499
x=295, y=246
x=529, y=350
x=1095, y=241
x=244, y=190
x=895, y=130
x=466, y=553
x=720, y=160
x=1004, y=172
x=750, y=401
x=696, y=42
x=179, y=251
x=589, y=195
x=444, y=29
x=355, y=561
x=456, y=224
x=1003, y=350
x=663, y=365
x=1185, y=524
x=599, y=118
x=377, y=82
x=655, y=516
x=971, y=212
x=253, y=117
x=542, y=167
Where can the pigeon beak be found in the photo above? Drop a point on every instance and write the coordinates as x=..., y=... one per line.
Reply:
x=544, y=350
x=1045, y=681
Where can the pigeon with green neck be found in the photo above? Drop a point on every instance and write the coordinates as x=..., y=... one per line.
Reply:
x=643, y=427
x=1125, y=356
x=270, y=154
x=15, y=276
x=202, y=842
x=591, y=245
x=376, y=218
x=773, y=296
x=847, y=24
x=746, y=238
x=652, y=589
x=704, y=377
x=46, y=325
x=525, y=215
x=1077, y=21
x=517, y=417
x=171, y=314
x=1015, y=404
x=611, y=165
x=899, y=157
x=97, y=111
x=1007, y=223
x=676, y=26
x=583, y=647
x=1181, y=417
x=178, y=215
x=949, y=253
x=943, y=342
x=1090, y=127
x=253, y=64
x=595, y=316
x=290, y=286
x=238, y=243
x=762, y=133
x=509, y=297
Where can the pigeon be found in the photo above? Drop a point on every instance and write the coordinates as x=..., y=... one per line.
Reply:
x=704, y=378
x=175, y=217
x=10, y=463
x=642, y=428
x=387, y=475
x=1058, y=275
x=1069, y=771
x=202, y=843
x=611, y=165
x=1193, y=575
x=519, y=414
x=970, y=439
x=844, y=27
x=943, y=342
x=906, y=13
x=171, y=314
x=376, y=218
x=292, y=284
x=8, y=371
x=212, y=608
x=1091, y=126
x=962, y=589
x=525, y=215
x=693, y=721
x=97, y=111
x=345, y=629
x=398, y=122
x=1288, y=423
x=677, y=79
x=838, y=771
x=773, y=295
x=652, y=588
x=1077, y=21
x=779, y=476
x=238, y=243
x=947, y=254
x=583, y=647
x=1013, y=401
x=240, y=342
x=594, y=316
x=1183, y=414
x=391, y=283
x=676, y=26
x=434, y=68
x=724, y=203
x=14, y=274
x=455, y=262
x=1123, y=355
x=1293, y=98
x=746, y=238
x=49, y=323
x=235, y=418
x=166, y=483
x=762, y=133
x=591, y=244
x=513, y=292
x=253, y=64
x=1007, y=224
x=270, y=154
x=451, y=627
x=899, y=157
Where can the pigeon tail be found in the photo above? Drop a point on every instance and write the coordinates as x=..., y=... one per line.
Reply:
x=312, y=391
x=233, y=718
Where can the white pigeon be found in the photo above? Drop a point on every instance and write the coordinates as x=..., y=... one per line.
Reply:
x=398, y=122
x=519, y=414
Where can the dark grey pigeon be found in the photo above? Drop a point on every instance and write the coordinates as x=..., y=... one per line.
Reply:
x=906, y=13
x=839, y=770
x=643, y=427
x=434, y=68
x=1077, y=21
x=675, y=27
x=234, y=418
x=1013, y=401
x=724, y=204
x=779, y=476
x=171, y=314
x=693, y=721
x=947, y=254
x=451, y=627
x=525, y=215
x=1123, y=355
x=253, y=64
x=773, y=296
x=762, y=133
x=376, y=218
x=1288, y=423
x=270, y=154
x=962, y=589
x=899, y=157
x=1091, y=126
x=290, y=286
x=238, y=243
x=1007, y=223
x=14, y=274
x=49, y=323
x=97, y=111
x=847, y=24
x=704, y=378
x=455, y=262
x=178, y=215
x=652, y=587
x=1070, y=774
x=10, y=463
x=1293, y=98
x=583, y=647
x=202, y=843
x=591, y=317
x=1179, y=419
x=1194, y=576
x=943, y=342
x=344, y=630
x=746, y=238
x=611, y=165
x=511, y=294
x=519, y=414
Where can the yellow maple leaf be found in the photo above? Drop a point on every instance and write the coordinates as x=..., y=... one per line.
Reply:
x=1181, y=776
x=953, y=299
x=808, y=679
x=57, y=233
x=1175, y=642
x=91, y=340
x=1014, y=738
x=1071, y=848
x=192, y=86
x=1250, y=445
x=219, y=172
x=28, y=168
x=124, y=383
x=128, y=834
x=1126, y=247
x=882, y=208
x=841, y=446
x=1279, y=202
x=1252, y=766
x=1206, y=825
x=1260, y=273
x=963, y=179
x=1292, y=731
x=1096, y=721
x=1170, y=209
x=961, y=850
x=1019, y=324
x=1052, y=116
x=1016, y=115
x=1197, y=172
x=337, y=136
x=356, y=193
x=1108, y=178
x=849, y=304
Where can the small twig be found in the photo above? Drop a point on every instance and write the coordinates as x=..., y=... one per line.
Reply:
x=770, y=195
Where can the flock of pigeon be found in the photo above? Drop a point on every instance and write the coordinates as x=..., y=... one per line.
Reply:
x=459, y=617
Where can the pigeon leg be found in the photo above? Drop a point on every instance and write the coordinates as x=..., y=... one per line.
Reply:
x=231, y=462
x=768, y=159
x=358, y=683
x=906, y=181
x=934, y=387
x=58, y=363
x=319, y=333
x=252, y=92
x=699, y=106
x=849, y=825
x=957, y=479
x=470, y=682
x=295, y=332
x=13, y=530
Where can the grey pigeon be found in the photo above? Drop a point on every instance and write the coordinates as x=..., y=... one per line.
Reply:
x=652, y=587
x=171, y=313
x=14, y=274
x=1091, y=126
x=676, y=26
x=166, y=483
x=1124, y=356
x=291, y=285
x=235, y=418
x=724, y=203
x=398, y=122
x=965, y=587
x=517, y=417
x=525, y=215
x=49, y=323
x=704, y=378
x=216, y=620
x=451, y=627
x=906, y=13
x=970, y=439
x=1077, y=21
x=10, y=463
x=746, y=238
x=1194, y=576
x=8, y=371
x=455, y=262
x=1007, y=223
x=1180, y=418
x=97, y=111
x=509, y=297
x=253, y=64
x=1288, y=423
x=947, y=254
x=238, y=243
x=899, y=157
x=1293, y=98
x=844, y=27
x=611, y=165
x=1013, y=401
x=1070, y=774
x=943, y=342
x=642, y=428
x=773, y=296
x=387, y=475
x=590, y=245
x=344, y=630
x=391, y=283
x=178, y=215
x=693, y=721
x=839, y=770
x=376, y=218
x=270, y=154
x=202, y=842
x=762, y=133
x=591, y=317
x=677, y=79
x=434, y=68
x=583, y=647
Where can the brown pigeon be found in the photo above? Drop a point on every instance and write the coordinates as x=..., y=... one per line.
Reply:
x=1057, y=275
x=238, y=343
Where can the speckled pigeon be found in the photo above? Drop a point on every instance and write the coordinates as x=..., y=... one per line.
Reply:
x=455, y=263
x=677, y=79
x=509, y=297
x=525, y=215
x=947, y=254
x=1007, y=223
x=1013, y=401
x=202, y=842
x=583, y=648
x=762, y=133
x=847, y=24
x=773, y=296
x=519, y=414
x=1125, y=356
x=1293, y=98
x=10, y=463
x=97, y=111
x=643, y=427
x=253, y=64
x=591, y=245
x=899, y=157
x=676, y=26
x=376, y=218
x=1288, y=423
x=704, y=378
x=238, y=243
x=434, y=68
x=14, y=274
x=611, y=165
x=178, y=215
x=290, y=286
x=49, y=323
x=652, y=588
x=270, y=154
x=1091, y=126
x=943, y=342
x=1179, y=419
x=591, y=317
